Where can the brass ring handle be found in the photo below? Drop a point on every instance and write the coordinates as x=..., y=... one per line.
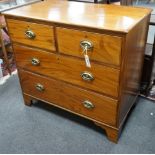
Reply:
x=35, y=61
x=40, y=87
x=85, y=44
x=87, y=104
x=87, y=76
x=30, y=34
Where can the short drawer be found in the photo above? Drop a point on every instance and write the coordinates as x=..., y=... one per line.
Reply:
x=74, y=99
x=33, y=34
x=98, y=78
x=105, y=48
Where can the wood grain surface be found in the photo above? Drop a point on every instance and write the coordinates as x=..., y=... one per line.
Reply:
x=106, y=48
x=44, y=34
x=132, y=68
x=118, y=34
x=70, y=97
x=106, y=79
x=99, y=16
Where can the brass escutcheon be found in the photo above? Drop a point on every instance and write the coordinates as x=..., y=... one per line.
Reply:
x=30, y=34
x=87, y=76
x=87, y=104
x=40, y=87
x=35, y=61
x=85, y=44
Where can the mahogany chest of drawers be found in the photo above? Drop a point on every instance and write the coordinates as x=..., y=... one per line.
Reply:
x=83, y=58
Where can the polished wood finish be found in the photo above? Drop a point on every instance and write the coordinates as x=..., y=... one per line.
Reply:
x=44, y=34
x=113, y=134
x=119, y=36
x=69, y=70
x=104, y=108
x=132, y=64
x=105, y=17
x=106, y=48
x=27, y=100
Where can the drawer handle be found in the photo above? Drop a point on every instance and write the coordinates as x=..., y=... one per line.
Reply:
x=40, y=87
x=87, y=76
x=87, y=104
x=86, y=45
x=35, y=61
x=30, y=34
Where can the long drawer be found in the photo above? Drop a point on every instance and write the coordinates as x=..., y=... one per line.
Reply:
x=80, y=101
x=32, y=34
x=101, y=47
x=98, y=78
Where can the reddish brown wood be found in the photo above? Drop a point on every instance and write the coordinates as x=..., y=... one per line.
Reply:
x=27, y=100
x=69, y=97
x=69, y=70
x=105, y=17
x=106, y=48
x=44, y=35
x=134, y=50
x=113, y=134
x=119, y=37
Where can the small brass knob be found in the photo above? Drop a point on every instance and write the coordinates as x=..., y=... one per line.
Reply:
x=87, y=104
x=85, y=44
x=35, y=61
x=40, y=87
x=30, y=34
x=87, y=76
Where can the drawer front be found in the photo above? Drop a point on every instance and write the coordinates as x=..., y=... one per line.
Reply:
x=37, y=35
x=69, y=70
x=106, y=48
x=84, y=102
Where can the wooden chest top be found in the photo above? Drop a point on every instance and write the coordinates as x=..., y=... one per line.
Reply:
x=104, y=17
